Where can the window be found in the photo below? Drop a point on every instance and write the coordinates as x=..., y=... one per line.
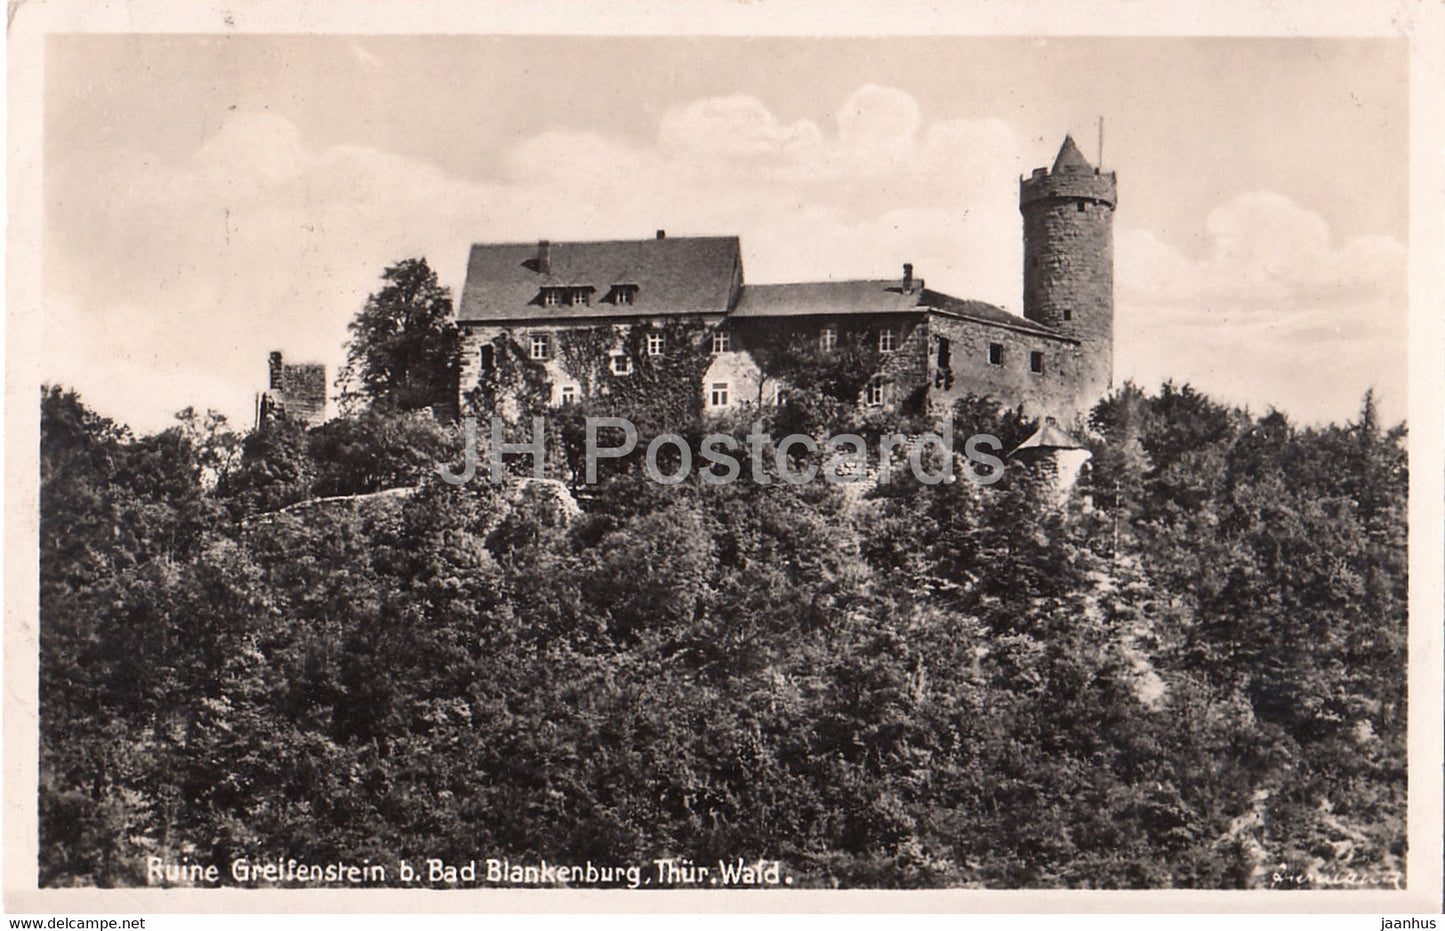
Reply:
x=943, y=370
x=718, y=397
x=886, y=341
x=1068, y=313
x=621, y=363
x=552, y=297
x=1036, y=363
x=1083, y=205
x=654, y=344
x=488, y=358
x=995, y=353
x=578, y=297
x=875, y=393
x=828, y=341
x=541, y=347
x=722, y=341
x=569, y=394
x=624, y=294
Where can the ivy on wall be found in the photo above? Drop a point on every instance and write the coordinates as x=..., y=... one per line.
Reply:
x=658, y=392
x=663, y=392
x=513, y=375
x=584, y=353
x=799, y=360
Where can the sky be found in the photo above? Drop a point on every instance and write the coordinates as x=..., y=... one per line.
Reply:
x=208, y=199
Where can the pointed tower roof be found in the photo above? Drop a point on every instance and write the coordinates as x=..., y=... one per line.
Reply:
x=1070, y=157
x=1049, y=436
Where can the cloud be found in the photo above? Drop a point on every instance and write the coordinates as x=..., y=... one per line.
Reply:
x=1271, y=311
x=727, y=128
x=169, y=278
x=878, y=124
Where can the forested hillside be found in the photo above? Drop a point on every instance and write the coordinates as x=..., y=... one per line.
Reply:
x=1191, y=673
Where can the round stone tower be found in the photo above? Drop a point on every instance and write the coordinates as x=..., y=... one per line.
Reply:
x=1069, y=259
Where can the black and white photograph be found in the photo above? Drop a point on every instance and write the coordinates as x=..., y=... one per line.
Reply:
x=526, y=460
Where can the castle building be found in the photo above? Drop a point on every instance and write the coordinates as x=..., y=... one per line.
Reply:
x=585, y=315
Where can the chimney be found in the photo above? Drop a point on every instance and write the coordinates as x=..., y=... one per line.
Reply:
x=662, y=234
x=274, y=364
x=907, y=277
x=544, y=257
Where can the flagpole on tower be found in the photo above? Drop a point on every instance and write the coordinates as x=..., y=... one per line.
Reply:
x=1101, y=142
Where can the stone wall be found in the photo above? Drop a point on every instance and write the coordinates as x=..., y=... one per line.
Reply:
x=1066, y=389
x=737, y=369
x=744, y=367
x=303, y=389
x=1059, y=390
x=585, y=375
x=296, y=390
x=903, y=371
x=1069, y=264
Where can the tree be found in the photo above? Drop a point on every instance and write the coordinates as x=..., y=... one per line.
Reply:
x=404, y=350
x=1194, y=680
x=375, y=450
x=217, y=447
x=274, y=470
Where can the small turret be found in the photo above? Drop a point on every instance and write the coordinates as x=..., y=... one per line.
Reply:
x=1055, y=452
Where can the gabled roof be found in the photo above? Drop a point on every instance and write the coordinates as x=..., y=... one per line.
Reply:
x=981, y=312
x=822, y=298
x=1070, y=157
x=676, y=275
x=682, y=275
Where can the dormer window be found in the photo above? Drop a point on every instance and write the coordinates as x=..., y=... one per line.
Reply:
x=568, y=297
x=624, y=295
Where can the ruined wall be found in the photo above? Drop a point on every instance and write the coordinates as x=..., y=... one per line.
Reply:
x=296, y=390
x=304, y=391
